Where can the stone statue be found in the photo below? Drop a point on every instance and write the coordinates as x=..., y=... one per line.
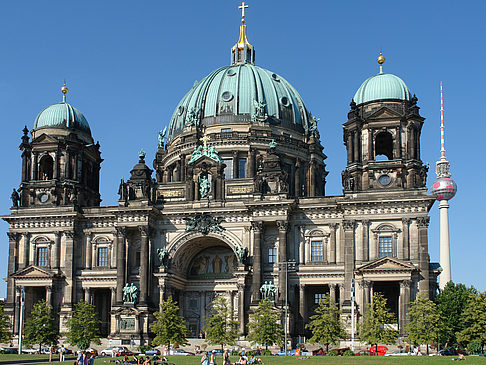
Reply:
x=141, y=154
x=273, y=144
x=163, y=256
x=268, y=291
x=15, y=198
x=204, y=223
x=192, y=118
x=134, y=293
x=123, y=190
x=259, y=111
x=196, y=154
x=242, y=253
x=130, y=293
x=213, y=154
x=204, y=187
x=162, y=134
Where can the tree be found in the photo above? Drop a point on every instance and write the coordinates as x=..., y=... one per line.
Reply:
x=326, y=325
x=40, y=328
x=5, y=333
x=264, y=327
x=373, y=328
x=83, y=326
x=169, y=326
x=451, y=302
x=474, y=320
x=221, y=327
x=424, y=321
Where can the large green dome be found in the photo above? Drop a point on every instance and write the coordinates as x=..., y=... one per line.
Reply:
x=230, y=94
x=62, y=115
x=382, y=87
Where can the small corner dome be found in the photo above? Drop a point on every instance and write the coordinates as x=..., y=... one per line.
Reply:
x=382, y=87
x=62, y=116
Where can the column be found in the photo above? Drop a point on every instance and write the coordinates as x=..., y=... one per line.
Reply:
x=26, y=247
x=423, y=224
x=183, y=167
x=301, y=245
x=297, y=178
x=374, y=247
x=69, y=268
x=405, y=239
x=348, y=226
x=202, y=308
x=312, y=177
x=332, y=243
x=12, y=265
x=235, y=164
x=34, y=166
x=241, y=308
x=341, y=294
x=113, y=297
x=356, y=145
x=404, y=305
x=359, y=246
x=366, y=295
x=366, y=239
x=257, y=228
x=120, y=262
x=24, y=166
x=143, y=273
x=49, y=295
x=332, y=292
x=251, y=163
x=282, y=256
x=56, y=251
x=302, y=308
x=349, y=145
x=16, y=323
x=161, y=294
x=89, y=251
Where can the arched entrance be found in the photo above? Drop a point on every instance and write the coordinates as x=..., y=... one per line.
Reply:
x=205, y=266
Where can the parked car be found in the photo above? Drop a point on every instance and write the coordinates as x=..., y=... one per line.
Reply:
x=319, y=352
x=179, y=352
x=9, y=350
x=282, y=353
x=30, y=351
x=112, y=351
x=126, y=352
x=396, y=353
x=378, y=350
x=92, y=351
x=152, y=352
x=447, y=352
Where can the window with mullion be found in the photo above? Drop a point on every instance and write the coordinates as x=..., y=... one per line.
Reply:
x=272, y=255
x=102, y=256
x=42, y=256
x=318, y=297
x=316, y=251
x=385, y=246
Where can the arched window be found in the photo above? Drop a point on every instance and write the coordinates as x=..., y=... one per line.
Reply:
x=384, y=146
x=46, y=168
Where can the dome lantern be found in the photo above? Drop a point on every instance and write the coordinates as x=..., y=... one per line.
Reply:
x=242, y=51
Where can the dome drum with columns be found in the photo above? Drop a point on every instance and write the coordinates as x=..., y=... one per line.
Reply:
x=236, y=193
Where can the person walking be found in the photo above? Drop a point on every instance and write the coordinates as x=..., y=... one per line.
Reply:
x=91, y=359
x=80, y=359
x=226, y=359
x=204, y=358
x=212, y=360
x=62, y=352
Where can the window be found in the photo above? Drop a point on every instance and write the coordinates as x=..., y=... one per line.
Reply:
x=242, y=168
x=272, y=255
x=228, y=170
x=103, y=256
x=42, y=256
x=316, y=251
x=46, y=168
x=383, y=146
x=225, y=132
x=385, y=246
x=318, y=297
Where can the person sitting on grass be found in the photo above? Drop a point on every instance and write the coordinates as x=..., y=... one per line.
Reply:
x=460, y=357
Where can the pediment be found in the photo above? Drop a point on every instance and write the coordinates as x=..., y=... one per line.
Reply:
x=33, y=272
x=126, y=311
x=45, y=138
x=386, y=264
x=384, y=113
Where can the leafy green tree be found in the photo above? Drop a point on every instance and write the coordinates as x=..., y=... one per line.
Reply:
x=5, y=333
x=169, y=326
x=474, y=320
x=424, y=321
x=221, y=327
x=83, y=326
x=451, y=302
x=264, y=327
x=326, y=325
x=41, y=327
x=373, y=329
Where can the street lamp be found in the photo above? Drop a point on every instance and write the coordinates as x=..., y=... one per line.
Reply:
x=288, y=265
x=21, y=321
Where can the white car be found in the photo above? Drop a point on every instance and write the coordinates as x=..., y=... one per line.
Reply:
x=178, y=352
x=112, y=351
x=30, y=351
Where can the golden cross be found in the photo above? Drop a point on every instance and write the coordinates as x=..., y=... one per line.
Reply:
x=205, y=140
x=243, y=7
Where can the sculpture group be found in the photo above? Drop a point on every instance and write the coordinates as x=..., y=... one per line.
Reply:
x=268, y=291
x=130, y=293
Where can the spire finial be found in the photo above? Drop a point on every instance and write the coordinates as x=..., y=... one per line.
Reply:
x=64, y=91
x=381, y=61
x=242, y=51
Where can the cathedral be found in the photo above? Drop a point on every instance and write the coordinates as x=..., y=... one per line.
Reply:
x=234, y=204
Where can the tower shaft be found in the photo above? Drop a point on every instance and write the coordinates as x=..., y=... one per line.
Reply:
x=445, y=256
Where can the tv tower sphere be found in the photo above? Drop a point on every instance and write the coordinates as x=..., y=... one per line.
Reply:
x=444, y=188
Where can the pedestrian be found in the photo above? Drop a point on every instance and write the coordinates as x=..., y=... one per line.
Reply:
x=62, y=351
x=212, y=360
x=226, y=358
x=80, y=358
x=85, y=357
x=205, y=359
x=91, y=359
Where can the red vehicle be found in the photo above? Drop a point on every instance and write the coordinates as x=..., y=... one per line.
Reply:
x=378, y=350
x=125, y=353
x=92, y=351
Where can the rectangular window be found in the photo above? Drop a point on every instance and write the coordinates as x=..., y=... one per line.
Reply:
x=242, y=168
x=225, y=132
x=385, y=246
x=316, y=251
x=272, y=255
x=103, y=256
x=318, y=297
x=42, y=256
x=228, y=170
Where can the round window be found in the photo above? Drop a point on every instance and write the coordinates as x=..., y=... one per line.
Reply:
x=231, y=72
x=227, y=96
x=181, y=109
x=285, y=101
x=384, y=180
x=43, y=198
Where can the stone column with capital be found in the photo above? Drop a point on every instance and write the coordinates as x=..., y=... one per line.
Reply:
x=56, y=251
x=13, y=242
x=69, y=269
x=365, y=286
x=332, y=243
x=366, y=240
x=49, y=295
x=282, y=257
x=26, y=248
x=302, y=308
x=120, y=262
x=241, y=308
x=257, y=228
x=332, y=292
x=405, y=239
x=348, y=226
x=297, y=178
x=301, y=245
x=89, y=251
x=143, y=273
x=404, y=305
x=423, y=224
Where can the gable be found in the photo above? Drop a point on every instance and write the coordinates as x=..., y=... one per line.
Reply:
x=45, y=138
x=386, y=264
x=32, y=272
x=384, y=113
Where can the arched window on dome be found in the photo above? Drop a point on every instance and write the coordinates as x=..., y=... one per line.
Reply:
x=46, y=168
x=383, y=146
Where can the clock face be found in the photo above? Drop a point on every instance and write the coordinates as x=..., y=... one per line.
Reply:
x=384, y=180
x=44, y=198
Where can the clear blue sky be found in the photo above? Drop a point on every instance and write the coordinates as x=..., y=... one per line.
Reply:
x=128, y=63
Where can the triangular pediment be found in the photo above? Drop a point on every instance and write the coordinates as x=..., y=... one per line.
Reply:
x=384, y=113
x=45, y=138
x=126, y=311
x=386, y=264
x=33, y=272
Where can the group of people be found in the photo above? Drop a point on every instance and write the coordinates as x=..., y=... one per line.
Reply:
x=141, y=360
x=84, y=358
x=210, y=358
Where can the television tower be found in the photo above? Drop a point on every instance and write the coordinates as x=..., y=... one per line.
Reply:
x=444, y=189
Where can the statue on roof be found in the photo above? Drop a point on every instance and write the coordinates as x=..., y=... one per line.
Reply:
x=259, y=111
x=15, y=198
x=213, y=154
x=204, y=187
x=196, y=154
x=161, y=136
x=192, y=118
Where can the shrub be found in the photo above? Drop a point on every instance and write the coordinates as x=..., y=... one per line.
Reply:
x=365, y=354
x=143, y=348
x=332, y=353
x=266, y=353
x=348, y=353
x=474, y=347
x=234, y=353
x=250, y=353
